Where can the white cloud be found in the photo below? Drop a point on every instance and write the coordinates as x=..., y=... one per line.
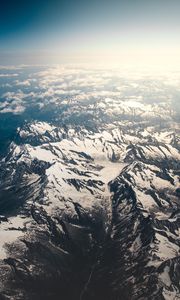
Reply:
x=16, y=109
x=9, y=75
x=60, y=85
x=19, y=95
x=22, y=83
x=14, y=102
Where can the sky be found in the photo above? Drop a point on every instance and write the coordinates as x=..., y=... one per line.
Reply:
x=55, y=31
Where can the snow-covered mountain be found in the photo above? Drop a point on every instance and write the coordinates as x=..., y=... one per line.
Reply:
x=89, y=184
x=90, y=213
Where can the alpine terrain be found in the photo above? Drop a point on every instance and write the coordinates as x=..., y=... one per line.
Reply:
x=90, y=186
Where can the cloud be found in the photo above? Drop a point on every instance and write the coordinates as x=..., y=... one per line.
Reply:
x=9, y=75
x=13, y=108
x=109, y=89
x=14, y=102
x=19, y=95
x=10, y=67
x=23, y=83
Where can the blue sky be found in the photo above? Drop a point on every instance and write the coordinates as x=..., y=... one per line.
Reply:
x=56, y=30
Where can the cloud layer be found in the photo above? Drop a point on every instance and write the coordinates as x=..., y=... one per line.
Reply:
x=119, y=91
